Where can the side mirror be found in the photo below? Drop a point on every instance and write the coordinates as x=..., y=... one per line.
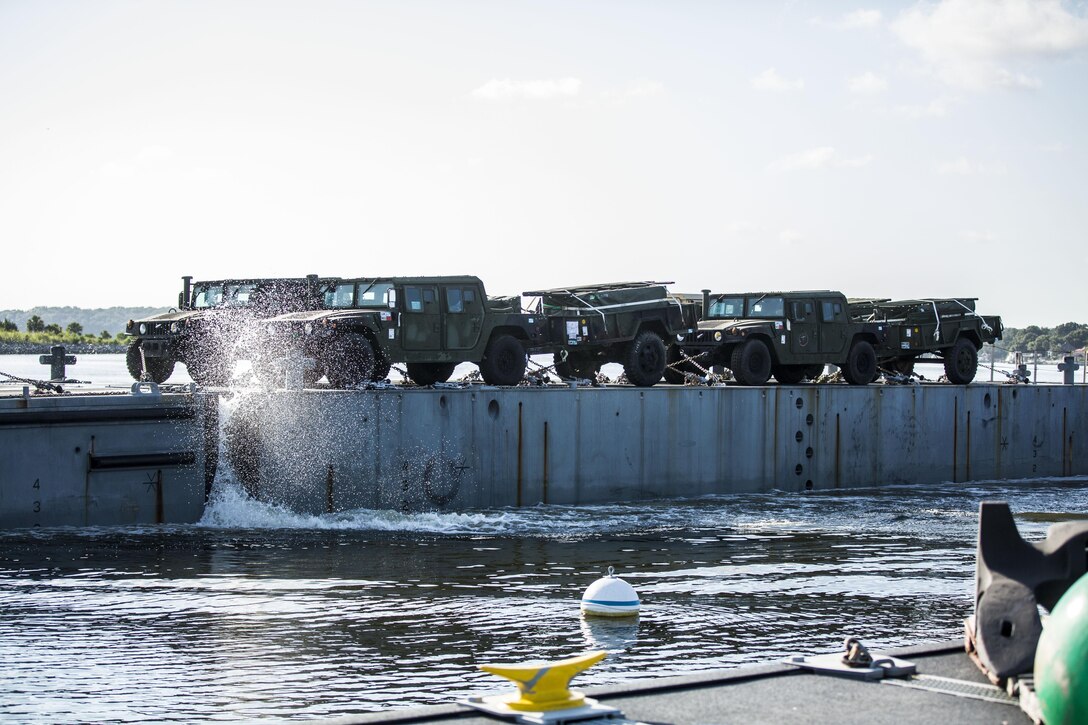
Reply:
x=181, y=300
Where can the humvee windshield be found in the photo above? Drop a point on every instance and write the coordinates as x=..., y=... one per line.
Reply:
x=239, y=295
x=358, y=294
x=375, y=296
x=767, y=307
x=208, y=295
x=726, y=307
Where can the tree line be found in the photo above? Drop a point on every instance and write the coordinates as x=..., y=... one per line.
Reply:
x=37, y=326
x=1044, y=341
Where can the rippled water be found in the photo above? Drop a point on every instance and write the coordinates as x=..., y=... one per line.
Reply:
x=257, y=612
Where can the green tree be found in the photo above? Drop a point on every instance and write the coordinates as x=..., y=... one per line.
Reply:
x=75, y=328
x=35, y=324
x=53, y=329
x=8, y=326
x=104, y=335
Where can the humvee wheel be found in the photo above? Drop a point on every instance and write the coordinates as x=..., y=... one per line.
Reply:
x=903, y=365
x=207, y=373
x=961, y=362
x=430, y=373
x=576, y=366
x=382, y=366
x=504, y=361
x=751, y=362
x=644, y=361
x=349, y=362
x=860, y=367
x=158, y=369
x=789, y=374
x=674, y=368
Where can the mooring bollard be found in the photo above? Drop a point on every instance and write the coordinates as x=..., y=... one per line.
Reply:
x=56, y=361
x=1069, y=367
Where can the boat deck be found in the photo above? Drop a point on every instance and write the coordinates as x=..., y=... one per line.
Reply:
x=780, y=693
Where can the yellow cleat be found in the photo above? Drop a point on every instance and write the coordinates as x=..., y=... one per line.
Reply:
x=544, y=685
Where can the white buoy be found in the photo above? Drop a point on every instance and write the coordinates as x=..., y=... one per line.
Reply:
x=610, y=596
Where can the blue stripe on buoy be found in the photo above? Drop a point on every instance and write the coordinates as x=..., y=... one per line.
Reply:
x=610, y=604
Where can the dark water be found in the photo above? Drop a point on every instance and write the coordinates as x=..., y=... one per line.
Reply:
x=258, y=612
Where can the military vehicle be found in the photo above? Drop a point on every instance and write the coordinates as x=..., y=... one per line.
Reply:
x=205, y=331
x=944, y=330
x=429, y=323
x=791, y=335
x=631, y=323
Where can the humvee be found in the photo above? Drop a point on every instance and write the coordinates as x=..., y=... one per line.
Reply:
x=204, y=331
x=631, y=323
x=791, y=335
x=429, y=323
x=945, y=330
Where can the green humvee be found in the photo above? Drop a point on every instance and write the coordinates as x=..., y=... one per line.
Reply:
x=632, y=323
x=791, y=335
x=429, y=323
x=203, y=332
x=945, y=330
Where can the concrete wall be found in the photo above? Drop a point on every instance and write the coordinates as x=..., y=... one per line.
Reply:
x=79, y=460
x=320, y=450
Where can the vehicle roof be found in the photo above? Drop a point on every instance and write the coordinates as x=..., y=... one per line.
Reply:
x=590, y=288
x=442, y=279
x=799, y=293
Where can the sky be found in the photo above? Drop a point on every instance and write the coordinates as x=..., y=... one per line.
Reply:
x=893, y=149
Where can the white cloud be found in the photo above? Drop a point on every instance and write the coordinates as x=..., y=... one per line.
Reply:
x=769, y=80
x=789, y=236
x=817, y=158
x=969, y=43
x=856, y=19
x=810, y=159
x=860, y=19
x=937, y=108
x=964, y=167
x=977, y=236
x=496, y=89
x=867, y=82
x=856, y=162
x=638, y=89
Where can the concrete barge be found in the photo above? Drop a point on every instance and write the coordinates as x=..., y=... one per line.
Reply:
x=105, y=459
x=479, y=447
x=145, y=458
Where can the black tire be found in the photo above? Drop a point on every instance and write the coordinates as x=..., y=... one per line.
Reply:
x=430, y=373
x=903, y=365
x=789, y=374
x=158, y=369
x=860, y=367
x=961, y=362
x=751, y=362
x=382, y=366
x=213, y=373
x=504, y=361
x=674, y=368
x=644, y=359
x=576, y=366
x=348, y=361
x=813, y=371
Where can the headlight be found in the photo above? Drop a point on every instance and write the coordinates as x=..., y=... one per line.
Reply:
x=308, y=328
x=173, y=327
x=717, y=336
x=679, y=338
x=143, y=328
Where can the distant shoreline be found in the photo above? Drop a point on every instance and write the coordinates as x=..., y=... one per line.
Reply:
x=44, y=348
